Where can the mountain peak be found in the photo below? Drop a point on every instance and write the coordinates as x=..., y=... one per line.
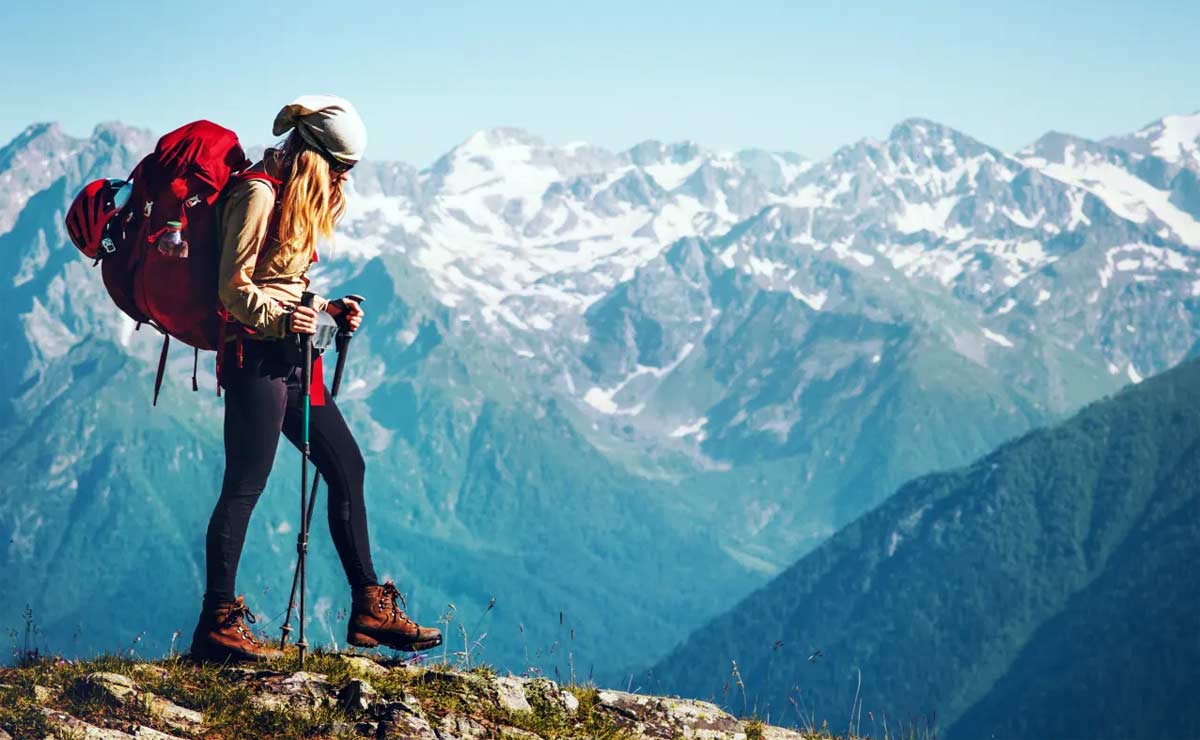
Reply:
x=115, y=127
x=924, y=130
x=50, y=130
x=1174, y=139
x=1052, y=145
x=115, y=133
x=922, y=137
x=42, y=128
x=916, y=126
x=34, y=143
x=653, y=151
x=499, y=137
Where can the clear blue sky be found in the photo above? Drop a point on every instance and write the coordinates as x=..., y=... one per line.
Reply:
x=788, y=75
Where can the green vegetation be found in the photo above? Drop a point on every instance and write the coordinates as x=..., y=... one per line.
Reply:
x=754, y=730
x=1010, y=598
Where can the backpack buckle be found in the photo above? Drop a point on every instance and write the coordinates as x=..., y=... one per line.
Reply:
x=192, y=201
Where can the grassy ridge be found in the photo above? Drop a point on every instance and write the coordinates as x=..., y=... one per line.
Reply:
x=52, y=697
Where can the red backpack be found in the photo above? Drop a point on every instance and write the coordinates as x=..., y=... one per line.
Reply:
x=159, y=252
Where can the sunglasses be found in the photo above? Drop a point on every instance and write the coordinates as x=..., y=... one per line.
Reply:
x=335, y=164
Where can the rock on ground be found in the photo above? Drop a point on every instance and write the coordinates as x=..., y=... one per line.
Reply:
x=654, y=716
x=403, y=720
x=122, y=690
x=68, y=726
x=357, y=696
x=300, y=691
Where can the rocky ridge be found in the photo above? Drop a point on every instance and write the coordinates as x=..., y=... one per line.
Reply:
x=339, y=696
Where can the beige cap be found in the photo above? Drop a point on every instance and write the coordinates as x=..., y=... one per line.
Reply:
x=327, y=123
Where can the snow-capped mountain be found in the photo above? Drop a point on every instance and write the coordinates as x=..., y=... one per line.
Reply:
x=536, y=242
x=43, y=153
x=505, y=219
x=1134, y=186
x=580, y=363
x=1173, y=140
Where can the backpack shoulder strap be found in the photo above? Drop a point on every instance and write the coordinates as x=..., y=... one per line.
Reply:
x=259, y=176
x=248, y=176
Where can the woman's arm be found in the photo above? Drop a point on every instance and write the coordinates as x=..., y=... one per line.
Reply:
x=320, y=303
x=243, y=230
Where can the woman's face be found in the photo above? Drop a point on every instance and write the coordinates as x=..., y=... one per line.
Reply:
x=279, y=165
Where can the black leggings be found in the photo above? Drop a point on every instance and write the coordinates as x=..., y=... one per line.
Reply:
x=262, y=398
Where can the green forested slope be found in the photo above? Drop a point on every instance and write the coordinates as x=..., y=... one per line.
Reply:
x=1120, y=660
x=1035, y=593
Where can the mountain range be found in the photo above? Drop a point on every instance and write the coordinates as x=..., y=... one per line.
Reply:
x=617, y=391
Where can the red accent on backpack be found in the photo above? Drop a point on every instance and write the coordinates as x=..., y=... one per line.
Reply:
x=180, y=181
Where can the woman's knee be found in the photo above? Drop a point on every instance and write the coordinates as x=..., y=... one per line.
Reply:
x=356, y=466
x=245, y=479
x=240, y=495
x=343, y=466
x=346, y=487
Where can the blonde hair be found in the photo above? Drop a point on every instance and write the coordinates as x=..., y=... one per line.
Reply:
x=313, y=200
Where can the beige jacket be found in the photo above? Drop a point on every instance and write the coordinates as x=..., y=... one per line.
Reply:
x=256, y=291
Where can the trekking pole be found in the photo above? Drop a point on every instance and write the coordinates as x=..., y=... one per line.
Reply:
x=305, y=379
x=344, y=335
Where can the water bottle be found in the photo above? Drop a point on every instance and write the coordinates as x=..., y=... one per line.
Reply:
x=171, y=242
x=124, y=189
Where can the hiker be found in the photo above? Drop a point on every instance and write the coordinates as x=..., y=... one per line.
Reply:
x=269, y=221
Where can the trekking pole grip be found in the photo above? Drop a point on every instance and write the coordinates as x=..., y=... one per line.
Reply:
x=344, y=331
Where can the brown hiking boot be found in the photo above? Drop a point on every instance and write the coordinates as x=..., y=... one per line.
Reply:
x=377, y=619
x=222, y=634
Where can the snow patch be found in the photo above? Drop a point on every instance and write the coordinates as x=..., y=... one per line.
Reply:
x=670, y=175
x=814, y=300
x=694, y=428
x=999, y=339
x=925, y=216
x=1128, y=195
x=46, y=333
x=1178, y=138
x=602, y=401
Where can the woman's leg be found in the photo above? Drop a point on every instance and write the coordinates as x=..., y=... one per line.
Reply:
x=254, y=410
x=375, y=616
x=336, y=456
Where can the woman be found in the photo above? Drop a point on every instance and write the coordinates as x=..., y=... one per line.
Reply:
x=270, y=220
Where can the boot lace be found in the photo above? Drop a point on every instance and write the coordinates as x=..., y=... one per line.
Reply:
x=392, y=600
x=240, y=615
